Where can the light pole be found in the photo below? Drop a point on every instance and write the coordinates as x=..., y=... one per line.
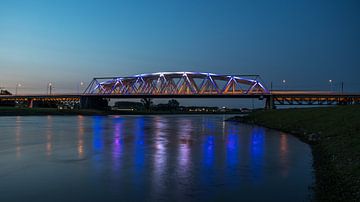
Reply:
x=18, y=85
x=330, y=81
x=50, y=88
x=80, y=87
x=284, y=82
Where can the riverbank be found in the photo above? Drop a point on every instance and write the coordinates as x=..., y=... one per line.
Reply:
x=334, y=135
x=12, y=111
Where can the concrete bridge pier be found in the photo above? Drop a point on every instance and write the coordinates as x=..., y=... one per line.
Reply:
x=30, y=103
x=269, y=103
x=92, y=102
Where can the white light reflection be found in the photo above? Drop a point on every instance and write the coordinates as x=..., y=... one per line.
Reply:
x=160, y=156
x=18, y=137
x=49, y=136
x=80, y=145
x=284, y=154
x=116, y=146
x=185, y=128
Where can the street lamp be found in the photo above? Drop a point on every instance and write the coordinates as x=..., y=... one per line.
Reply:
x=330, y=81
x=284, y=81
x=80, y=87
x=18, y=85
x=50, y=88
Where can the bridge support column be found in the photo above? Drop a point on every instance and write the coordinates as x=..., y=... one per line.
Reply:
x=269, y=103
x=88, y=102
x=30, y=103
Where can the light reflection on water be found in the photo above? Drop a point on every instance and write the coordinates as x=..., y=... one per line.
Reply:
x=232, y=147
x=49, y=135
x=159, y=157
x=284, y=154
x=116, y=145
x=18, y=137
x=182, y=158
x=257, y=153
x=81, y=131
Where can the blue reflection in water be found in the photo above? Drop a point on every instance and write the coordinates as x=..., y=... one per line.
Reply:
x=139, y=141
x=98, y=143
x=139, y=149
x=117, y=142
x=152, y=158
x=139, y=130
x=257, y=152
x=209, y=127
x=209, y=151
x=232, y=147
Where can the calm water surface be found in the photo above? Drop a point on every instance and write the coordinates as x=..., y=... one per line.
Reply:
x=149, y=158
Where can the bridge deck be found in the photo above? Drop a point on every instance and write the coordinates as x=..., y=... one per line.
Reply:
x=314, y=98
x=279, y=97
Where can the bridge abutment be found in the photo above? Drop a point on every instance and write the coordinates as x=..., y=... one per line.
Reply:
x=269, y=103
x=30, y=103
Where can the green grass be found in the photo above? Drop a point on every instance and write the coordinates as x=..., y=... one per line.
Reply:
x=336, y=154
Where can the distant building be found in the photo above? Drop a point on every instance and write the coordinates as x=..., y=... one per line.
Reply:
x=6, y=103
x=128, y=106
x=245, y=110
x=201, y=109
x=4, y=92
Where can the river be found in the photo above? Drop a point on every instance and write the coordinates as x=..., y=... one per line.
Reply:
x=149, y=158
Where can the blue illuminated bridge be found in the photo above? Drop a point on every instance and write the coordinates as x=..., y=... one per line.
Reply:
x=189, y=85
x=179, y=84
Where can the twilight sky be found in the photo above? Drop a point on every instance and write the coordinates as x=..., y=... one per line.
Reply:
x=306, y=42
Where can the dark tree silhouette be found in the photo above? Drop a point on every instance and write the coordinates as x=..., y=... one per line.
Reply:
x=147, y=102
x=173, y=104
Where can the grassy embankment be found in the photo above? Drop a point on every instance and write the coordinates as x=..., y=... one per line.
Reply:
x=334, y=135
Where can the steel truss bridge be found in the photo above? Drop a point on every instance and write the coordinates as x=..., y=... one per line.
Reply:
x=178, y=83
x=188, y=85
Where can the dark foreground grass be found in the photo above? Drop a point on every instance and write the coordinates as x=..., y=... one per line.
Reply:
x=334, y=135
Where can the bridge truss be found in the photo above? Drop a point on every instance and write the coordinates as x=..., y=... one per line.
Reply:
x=178, y=83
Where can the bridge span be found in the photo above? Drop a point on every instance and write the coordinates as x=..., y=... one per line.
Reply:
x=187, y=85
x=272, y=99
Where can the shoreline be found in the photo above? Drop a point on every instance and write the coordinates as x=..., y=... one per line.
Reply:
x=11, y=111
x=334, y=137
